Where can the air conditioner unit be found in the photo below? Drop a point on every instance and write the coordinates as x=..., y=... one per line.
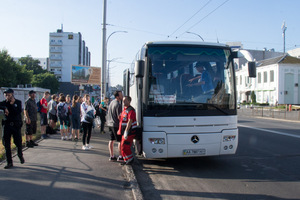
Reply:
x=20, y=86
x=28, y=86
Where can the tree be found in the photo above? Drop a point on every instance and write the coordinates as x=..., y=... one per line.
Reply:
x=23, y=76
x=12, y=74
x=46, y=80
x=32, y=64
x=253, y=97
x=7, y=68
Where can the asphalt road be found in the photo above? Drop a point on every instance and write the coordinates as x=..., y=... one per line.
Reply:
x=266, y=166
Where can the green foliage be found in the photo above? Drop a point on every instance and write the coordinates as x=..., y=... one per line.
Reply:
x=32, y=64
x=7, y=70
x=46, y=80
x=253, y=97
x=12, y=74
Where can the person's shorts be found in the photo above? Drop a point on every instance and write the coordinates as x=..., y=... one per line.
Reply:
x=64, y=121
x=31, y=128
x=44, y=120
x=113, y=134
x=53, y=117
x=76, y=123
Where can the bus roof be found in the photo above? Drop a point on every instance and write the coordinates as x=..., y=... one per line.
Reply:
x=197, y=43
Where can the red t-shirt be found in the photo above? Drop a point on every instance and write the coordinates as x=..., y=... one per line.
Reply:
x=125, y=118
x=43, y=101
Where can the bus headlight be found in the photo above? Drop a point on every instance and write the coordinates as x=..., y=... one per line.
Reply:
x=228, y=138
x=157, y=140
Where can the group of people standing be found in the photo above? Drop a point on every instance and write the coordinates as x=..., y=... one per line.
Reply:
x=76, y=114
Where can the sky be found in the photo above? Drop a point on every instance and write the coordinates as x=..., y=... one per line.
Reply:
x=26, y=24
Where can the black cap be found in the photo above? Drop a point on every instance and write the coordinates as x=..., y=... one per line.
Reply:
x=31, y=92
x=8, y=91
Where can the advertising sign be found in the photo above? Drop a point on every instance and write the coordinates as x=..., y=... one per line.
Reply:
x=86, y=75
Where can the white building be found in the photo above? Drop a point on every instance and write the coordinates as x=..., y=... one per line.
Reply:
x=67, y=49
x=277, y=80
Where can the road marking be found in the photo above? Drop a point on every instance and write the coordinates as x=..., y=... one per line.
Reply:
x=271, y=131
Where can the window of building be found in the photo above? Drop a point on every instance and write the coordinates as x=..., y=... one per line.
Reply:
x=265, y=77
x=272, y=76
x=237, y=80
x=259, y=77
x=241, y=80
x=70, y=37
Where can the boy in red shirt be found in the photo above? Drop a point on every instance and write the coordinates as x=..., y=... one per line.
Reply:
x=44, y=120
x=127, y=128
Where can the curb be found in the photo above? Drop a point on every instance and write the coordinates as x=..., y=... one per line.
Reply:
x=129, y=174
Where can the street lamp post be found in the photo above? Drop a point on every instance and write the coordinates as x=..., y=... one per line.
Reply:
x=196, y=34
x=103, y=72
x=108, y=79
x=104, y=64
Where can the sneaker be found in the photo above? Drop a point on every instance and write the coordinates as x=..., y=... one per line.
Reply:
x=120, y=159
x=113, y=159
x=29, y=145
x=84, y=147
x=33, y=143
x=88, y=146
x=62, y=138
x=9, y=165
x=66, y=137
x=44, y=136
x=76, y=139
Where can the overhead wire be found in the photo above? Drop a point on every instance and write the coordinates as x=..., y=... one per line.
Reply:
x=190, y=18
x=203, y=18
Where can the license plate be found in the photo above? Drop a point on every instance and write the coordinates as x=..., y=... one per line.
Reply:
x=194, y=151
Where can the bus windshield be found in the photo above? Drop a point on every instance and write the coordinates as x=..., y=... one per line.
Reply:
x=189, y=76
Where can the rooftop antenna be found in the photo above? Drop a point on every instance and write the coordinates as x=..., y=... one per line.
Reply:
x=62, y=28
x=283, y=27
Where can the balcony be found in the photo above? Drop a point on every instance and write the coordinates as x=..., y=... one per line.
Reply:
x=56, y=64
x=56, y=43
x=55, y=57
x=56, y=51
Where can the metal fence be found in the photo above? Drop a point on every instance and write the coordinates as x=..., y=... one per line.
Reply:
x=270, y=113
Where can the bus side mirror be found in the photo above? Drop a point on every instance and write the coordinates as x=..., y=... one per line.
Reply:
x=252, y=69
x=139, y=68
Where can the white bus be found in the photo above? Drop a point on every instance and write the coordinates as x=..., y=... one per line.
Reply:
x=184, y=95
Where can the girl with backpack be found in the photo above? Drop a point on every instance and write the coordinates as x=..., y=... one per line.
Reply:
x=75, y=117
x=87, y=119
x=62, y=113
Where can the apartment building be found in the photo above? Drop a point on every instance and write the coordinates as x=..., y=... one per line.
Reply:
x=67, y=49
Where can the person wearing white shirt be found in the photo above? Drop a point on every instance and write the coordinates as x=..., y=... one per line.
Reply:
x=87, y=116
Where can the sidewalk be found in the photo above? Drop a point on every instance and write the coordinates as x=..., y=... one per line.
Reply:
x=59, y=169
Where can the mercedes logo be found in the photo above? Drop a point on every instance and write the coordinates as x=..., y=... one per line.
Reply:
x=195, y=139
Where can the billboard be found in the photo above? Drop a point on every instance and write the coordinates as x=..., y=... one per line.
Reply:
x=81, y=74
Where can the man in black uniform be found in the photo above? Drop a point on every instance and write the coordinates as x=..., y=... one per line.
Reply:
x=12, y=126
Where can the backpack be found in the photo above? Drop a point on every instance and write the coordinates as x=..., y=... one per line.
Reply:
x=61, y=111
x=39, y=106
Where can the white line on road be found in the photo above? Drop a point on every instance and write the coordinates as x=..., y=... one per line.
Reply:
x=271, y=131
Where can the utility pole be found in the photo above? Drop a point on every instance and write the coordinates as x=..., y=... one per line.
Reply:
x=103, y=70
x=283, y=27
